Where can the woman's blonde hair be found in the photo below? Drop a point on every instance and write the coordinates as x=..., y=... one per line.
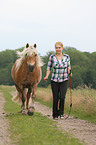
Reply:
x=59, y=43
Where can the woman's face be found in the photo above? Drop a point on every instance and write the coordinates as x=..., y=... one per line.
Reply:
x=58, y=49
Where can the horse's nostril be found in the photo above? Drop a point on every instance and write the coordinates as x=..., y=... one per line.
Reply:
x=31, y=68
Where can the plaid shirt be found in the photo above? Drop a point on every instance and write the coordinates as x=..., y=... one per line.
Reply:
x=60, y=68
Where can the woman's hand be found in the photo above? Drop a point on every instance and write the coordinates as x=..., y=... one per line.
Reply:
x=70, y=75
x=69, y=72
x=45, y=78
x=47, y=74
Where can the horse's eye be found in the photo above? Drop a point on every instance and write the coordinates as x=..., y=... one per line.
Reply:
x=35, y=55
x=26, y=54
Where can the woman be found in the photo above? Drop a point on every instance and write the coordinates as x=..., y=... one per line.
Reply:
x=59, y=81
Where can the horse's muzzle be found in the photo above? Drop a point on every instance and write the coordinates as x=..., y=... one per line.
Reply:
x=31, y=68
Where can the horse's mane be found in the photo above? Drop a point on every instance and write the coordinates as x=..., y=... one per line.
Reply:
x=29, y=51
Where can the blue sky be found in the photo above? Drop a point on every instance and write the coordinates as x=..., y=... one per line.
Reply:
x=73, y=22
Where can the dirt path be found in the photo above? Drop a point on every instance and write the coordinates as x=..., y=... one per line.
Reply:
x=4, y=133
x=80, y=129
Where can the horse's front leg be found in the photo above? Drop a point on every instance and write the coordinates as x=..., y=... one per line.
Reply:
x=28, y=97
x=23, y=106
x=32, y=107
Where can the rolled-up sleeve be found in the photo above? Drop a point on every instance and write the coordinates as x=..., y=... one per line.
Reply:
x=49, y=66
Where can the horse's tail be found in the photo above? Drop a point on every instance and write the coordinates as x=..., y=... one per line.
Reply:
x=17, y=98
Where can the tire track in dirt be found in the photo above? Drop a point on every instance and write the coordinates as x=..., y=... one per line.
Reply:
x=4, y=125
x=78, y=128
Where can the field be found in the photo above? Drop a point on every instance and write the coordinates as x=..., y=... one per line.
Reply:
x=83, y=102
x=32, y=130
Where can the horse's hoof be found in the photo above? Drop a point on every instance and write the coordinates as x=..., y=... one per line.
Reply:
x=31, y=111
x=24, y=112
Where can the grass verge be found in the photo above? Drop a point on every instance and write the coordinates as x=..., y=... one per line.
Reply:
x=33, y=130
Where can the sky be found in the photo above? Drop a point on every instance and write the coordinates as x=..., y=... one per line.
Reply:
x=44, y=22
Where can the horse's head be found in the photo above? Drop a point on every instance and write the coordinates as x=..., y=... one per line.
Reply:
x=31, y=57
x=31, y=61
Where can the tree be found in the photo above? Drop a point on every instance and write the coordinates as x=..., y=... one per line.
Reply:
x=76, y=77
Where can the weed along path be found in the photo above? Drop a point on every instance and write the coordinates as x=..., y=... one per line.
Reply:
x=4, y=133
x=80, y=129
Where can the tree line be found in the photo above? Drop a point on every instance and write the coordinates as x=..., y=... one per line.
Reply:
x=82, y=63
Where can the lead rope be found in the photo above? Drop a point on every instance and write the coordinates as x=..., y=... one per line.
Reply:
x=70, y=100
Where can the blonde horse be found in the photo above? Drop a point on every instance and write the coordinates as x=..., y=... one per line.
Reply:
x=26, y=74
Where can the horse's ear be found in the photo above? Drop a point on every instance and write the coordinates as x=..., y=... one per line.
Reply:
x=27, y=45
x=35, y=45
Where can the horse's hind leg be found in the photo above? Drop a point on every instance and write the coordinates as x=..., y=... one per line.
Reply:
x=21, y=96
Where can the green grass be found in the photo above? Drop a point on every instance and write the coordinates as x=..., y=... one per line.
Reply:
x=33, y=130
